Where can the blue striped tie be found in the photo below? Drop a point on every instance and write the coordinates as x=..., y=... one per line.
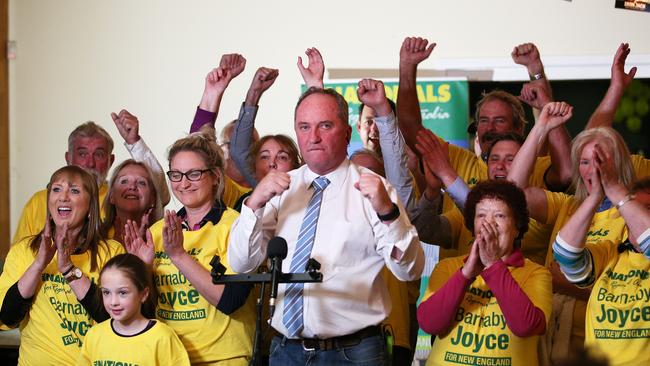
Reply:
x=293, y=302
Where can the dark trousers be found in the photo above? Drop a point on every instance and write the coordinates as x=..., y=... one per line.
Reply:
x=371, y=351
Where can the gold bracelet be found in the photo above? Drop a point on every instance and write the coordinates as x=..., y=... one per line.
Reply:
x=628, y=197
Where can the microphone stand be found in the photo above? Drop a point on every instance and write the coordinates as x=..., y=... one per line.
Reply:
x=219, y=278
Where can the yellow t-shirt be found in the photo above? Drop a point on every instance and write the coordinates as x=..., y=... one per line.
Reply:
x=640, y=165
x=232, y=191
x=208, y=334
x=472, y=169
x=479, y=334
x=398, y=321
x=606, y=225
x=618, y=312
x=32, y=219
x=53, y=330
x=534, y=244
x=157, y=346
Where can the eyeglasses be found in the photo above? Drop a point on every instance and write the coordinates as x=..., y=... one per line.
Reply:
x=192, y=175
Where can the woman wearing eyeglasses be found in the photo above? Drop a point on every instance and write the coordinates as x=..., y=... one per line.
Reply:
x=214, y=322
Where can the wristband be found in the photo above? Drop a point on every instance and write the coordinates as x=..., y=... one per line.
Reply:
x=628, y=197
x=537, y=76
x=392, y=215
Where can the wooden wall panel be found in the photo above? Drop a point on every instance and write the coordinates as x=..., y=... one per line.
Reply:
x=5, y=222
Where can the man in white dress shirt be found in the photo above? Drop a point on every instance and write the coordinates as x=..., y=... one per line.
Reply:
x=360, y=228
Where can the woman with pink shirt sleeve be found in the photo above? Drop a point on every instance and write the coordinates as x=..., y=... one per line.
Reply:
x=491, y=306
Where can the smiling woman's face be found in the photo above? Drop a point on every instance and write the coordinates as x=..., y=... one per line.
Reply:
x=193, y=194
x=68, y=202
x=131, y=192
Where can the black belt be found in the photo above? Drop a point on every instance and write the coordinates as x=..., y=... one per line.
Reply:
x=311, y=344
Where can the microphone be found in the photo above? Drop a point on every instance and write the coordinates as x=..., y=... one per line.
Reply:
x=277, y=251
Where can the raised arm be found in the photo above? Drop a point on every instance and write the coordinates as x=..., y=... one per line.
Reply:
x=527, y=55
x=552, y=116
x=216, y=83
x=603, y=116
x=393, y=148
x=414, y=50
x=241, y=140
x=538, y=93
x=129, y=128
x=315, y=70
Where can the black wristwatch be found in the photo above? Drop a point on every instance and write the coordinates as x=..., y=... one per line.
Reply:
x=392, y=215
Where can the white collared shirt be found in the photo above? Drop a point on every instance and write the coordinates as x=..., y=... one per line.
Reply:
x=351, y=244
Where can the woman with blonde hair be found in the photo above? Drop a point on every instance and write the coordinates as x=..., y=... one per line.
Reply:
x=604, y=136
x=211, y=320
x=48, y=284
x=589, y=148
x=132, y=196
x=616, y=271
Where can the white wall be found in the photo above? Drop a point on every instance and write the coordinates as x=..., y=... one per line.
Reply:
x=79, y=60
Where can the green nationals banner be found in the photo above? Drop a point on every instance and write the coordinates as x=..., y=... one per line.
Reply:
x=444, y=104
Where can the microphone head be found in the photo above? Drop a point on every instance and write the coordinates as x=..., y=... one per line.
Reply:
x=277, y=248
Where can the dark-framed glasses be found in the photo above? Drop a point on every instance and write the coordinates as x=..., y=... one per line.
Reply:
x=191, y=175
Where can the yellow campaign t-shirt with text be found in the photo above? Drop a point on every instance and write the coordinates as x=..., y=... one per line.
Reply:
x=54, y=328
x=618, y=311
x=479, y=334
x=534, y=244
x=605, y=225
x=208, y=334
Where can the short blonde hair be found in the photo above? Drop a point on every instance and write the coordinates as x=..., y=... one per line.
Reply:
x=205, y=144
